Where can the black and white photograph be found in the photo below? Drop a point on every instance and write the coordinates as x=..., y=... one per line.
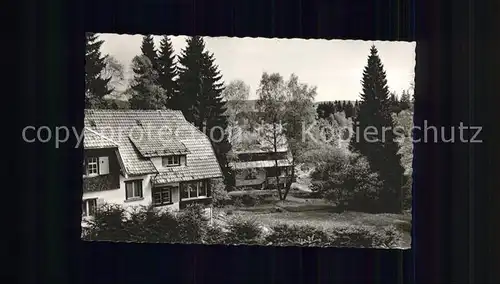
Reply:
x=248, y=141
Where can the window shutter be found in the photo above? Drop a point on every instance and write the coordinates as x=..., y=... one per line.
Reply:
x=103, y=165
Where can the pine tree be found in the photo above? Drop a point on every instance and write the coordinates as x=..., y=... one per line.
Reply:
x=96, y=87
x=380, y=149
x=394, y=103
x=148, y=49
x=349, y=110
x=190, y=81
x=146, y=93
x=167, y=70
x=200, y=97
x=405, y=102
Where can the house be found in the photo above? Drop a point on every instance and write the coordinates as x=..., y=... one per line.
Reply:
x=255, y=160
x=143, y=157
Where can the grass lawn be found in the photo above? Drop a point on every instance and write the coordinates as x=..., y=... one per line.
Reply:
x=318, y=213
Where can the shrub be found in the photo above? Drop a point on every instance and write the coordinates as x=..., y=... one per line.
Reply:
x=214, y=235
x=387, y=238
x=220, y=196
x=243, y=231
x=404, y=227
x=192, y=223
x=353, y=186
x=294, y=235
x=364, y=237
x=107, y=224
x=352, y=236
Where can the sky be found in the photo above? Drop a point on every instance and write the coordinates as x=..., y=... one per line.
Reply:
x=335, y=67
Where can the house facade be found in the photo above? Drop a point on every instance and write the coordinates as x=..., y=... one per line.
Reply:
x=145, y=157
x=257, y=164
x=257, y=170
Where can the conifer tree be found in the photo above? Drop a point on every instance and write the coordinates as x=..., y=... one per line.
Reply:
x=381, y=149
x=167, y=70
x=148, y=49
x=96, y=87
x=405, y=102
x=200, y=97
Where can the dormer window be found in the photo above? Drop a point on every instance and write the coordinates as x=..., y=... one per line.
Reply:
x=170, y=161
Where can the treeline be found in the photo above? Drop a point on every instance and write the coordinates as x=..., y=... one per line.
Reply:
x=350, y=109
x=190, y=82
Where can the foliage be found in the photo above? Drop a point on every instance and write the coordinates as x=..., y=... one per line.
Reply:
x=381, y=149
x=405, y=102
x=200, y=98
x=115, y=71
x=351, y=185
x=243, y=231
x=285, y=107
x=147, y=224
x=148, y=49
x=146, y=93
x=220, y=196
x=192, y=224
x=167, y=70
x=96, y=84
x=294, y=235
x=214, y=235
x=364, y=237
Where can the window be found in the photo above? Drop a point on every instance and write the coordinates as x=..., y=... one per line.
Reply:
x=88, y=207
x=92, y=166
x=96, y=166
x=251, y=174
x=162, y=196
x=133, y=189
x=193, y=189
x=171, y=161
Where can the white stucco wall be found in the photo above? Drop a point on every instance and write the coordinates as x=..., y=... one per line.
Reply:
x=117, y=196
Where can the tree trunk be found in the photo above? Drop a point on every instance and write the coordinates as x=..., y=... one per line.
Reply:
x=289, y=183
x=275, y=146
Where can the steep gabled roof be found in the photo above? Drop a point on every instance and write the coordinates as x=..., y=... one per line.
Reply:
x=94, y=140
x=154, y=131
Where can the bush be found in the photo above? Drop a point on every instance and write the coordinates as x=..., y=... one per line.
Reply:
x=192, y=223
x=220, y=196
x=107, y=224
x=243, y=231
x=364, y=237
x=286, y=235
x=214, y=235
x=353, y=186
x=404, y=227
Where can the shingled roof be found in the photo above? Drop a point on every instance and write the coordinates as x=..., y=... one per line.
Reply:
x=94, y=140
x=141, y=134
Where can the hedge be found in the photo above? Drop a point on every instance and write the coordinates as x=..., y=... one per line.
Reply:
x=190, y=226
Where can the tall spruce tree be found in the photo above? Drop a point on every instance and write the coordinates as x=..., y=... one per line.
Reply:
x=190, y=82
x=200, y=98
x=381, y=149
x=96, y=87
x=167, y=70
x=148, y=49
